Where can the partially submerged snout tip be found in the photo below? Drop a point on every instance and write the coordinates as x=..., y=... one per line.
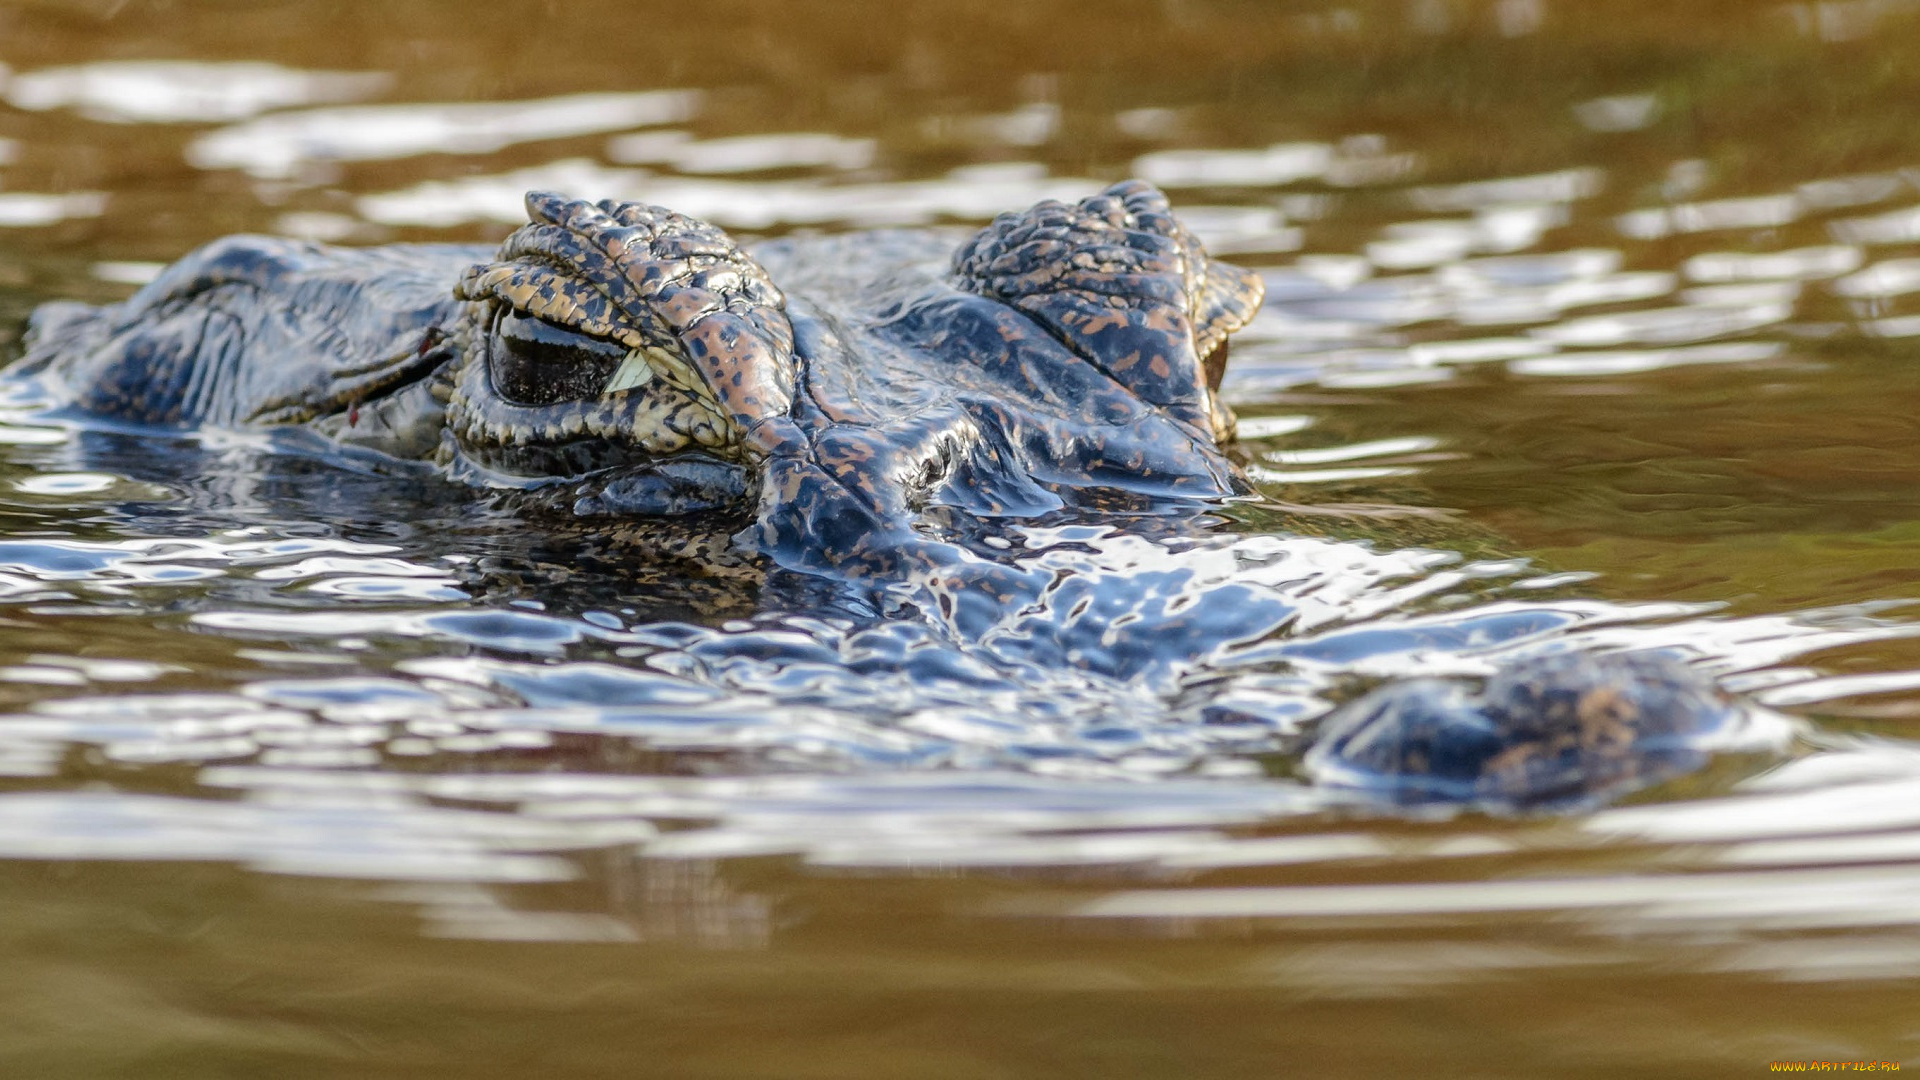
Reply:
x=1546, y=731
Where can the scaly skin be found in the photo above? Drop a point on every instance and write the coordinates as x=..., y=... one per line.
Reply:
x=506, y=367
x=630, y=362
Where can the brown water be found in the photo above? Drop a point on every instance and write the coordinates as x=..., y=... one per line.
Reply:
x=312, y=773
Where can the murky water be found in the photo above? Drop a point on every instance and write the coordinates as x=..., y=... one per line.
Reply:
x=1588, y=325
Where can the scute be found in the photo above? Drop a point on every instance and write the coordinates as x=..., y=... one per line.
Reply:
x=1125, y=285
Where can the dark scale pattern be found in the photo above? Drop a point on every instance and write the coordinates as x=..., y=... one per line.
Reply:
x=1063, y=361
x=668, y=281
x=1553, y=729
x=256, y=330
x=1125, y=286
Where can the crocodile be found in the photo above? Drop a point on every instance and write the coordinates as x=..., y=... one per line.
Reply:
x=623, y=362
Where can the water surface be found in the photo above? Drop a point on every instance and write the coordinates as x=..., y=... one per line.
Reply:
x=1588, y=326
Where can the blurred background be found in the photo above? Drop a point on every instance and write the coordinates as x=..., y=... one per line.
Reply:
x=1619, y=304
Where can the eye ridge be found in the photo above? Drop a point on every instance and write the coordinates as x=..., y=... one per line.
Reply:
x=536, y=362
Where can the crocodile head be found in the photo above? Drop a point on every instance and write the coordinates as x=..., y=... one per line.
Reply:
x=646, y=360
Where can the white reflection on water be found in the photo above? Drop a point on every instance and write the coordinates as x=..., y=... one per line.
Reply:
x=1274, y=166
x=280, y=146
x=1408, y=444
x=66, y=483
x=1505, y=290
x=1416, y=245
x=1619, y=112
x=1893, y=277
x=1565, y=185
x=321, y=225
x=1660, y=326
x=1896, y=227
x=1508, y=305
x=24, y=210
x=1310, y=314
x=1045, y=764
x=1840, y=808
x=1229, y=230
x=315, y=833
x=1364, y=161
x=974, y=193
x=1835, y=833
x=905, y=817
x=1356, y=161
x=1625, y=361
x=1385, y=301
x=1056, y=688
x=1269, y=427
x=379, y=825
x=1902, y=326
x=1547, y=269
x=1795, y=899
x=180, y=91
x=1032, y=124
x=1845, y=191
x=1260, y=474
x=1148, y=123
x=1799, y=264
x=124, y=272
x=1475, y=350
x=1756, y=212
x=1842, y=20
x=155, y=561
x=743, y=153
x=1742, y=293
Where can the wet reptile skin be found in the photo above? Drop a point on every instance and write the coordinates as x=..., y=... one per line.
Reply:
x=627, y=362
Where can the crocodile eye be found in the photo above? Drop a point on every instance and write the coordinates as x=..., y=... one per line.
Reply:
x=534, y=362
